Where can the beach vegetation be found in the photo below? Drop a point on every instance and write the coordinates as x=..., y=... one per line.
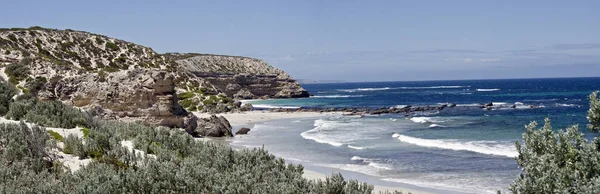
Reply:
x=7, y=91
x=559, y=162
x=18, y=71
x=112, y=46
x=180, y=165
x=56, y=135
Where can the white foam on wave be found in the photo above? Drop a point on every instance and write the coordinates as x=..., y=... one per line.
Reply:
x=406, y=88
x=373, y=89
x=428, y=120
x=356, y=147
x=266, y=106
x=330, y=132
x=338, y=96
x=487, y=90
x=371, y=163
x=436, y=126
x=400, y=106
x=434, y=87
x=566, y=105
x=483, y=147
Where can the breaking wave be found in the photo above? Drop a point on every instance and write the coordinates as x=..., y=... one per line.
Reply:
x=482, y=147
x=487, y=90
x=338, y=96
x=266, y=106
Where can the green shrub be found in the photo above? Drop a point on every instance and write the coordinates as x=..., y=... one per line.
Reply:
x=99, y=41
x=186, y=95
x=85, y=132
x=18, y=71
x=111, y=46
x=74, y=146
x=17, y=110
x=7, y=91
x=55, y=135
x=110, y=69
x=48, y=114
x=593, y=115
x=12, y=37
x=559, y=162
x=181, y=165
x=102, y=76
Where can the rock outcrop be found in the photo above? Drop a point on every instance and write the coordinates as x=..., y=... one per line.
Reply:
x=212, y=127
x=243, y=131
x=242, y=77
x=123, y=80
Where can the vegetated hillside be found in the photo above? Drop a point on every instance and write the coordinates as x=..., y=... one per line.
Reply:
x=124, y=80
x=241, y=77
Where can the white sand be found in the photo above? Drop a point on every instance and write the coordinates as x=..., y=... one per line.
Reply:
x=246, y=118
x=129, y=146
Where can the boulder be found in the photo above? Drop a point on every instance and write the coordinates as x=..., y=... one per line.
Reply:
x=243, y=131
x=489, y=104
x=513, y=106
x=243, y=94
x=237, y=104
x=212, y=126
x=246, y=107
x=452, y=105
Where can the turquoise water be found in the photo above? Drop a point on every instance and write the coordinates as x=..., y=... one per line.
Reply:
x=462, y=149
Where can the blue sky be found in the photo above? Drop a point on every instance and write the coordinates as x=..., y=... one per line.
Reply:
x=351, y=40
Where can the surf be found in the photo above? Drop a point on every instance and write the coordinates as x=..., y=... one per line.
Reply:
x=482, y=147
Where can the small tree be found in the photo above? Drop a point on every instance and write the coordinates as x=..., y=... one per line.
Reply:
x=593, y=115
x=563, y=162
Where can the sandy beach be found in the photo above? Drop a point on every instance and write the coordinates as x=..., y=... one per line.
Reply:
x=246, y=119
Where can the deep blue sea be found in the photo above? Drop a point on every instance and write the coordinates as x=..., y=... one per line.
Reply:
x=462, y=149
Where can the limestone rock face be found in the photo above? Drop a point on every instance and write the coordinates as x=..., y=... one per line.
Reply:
x=243, y=77
x=141, y=94
x=212, y=127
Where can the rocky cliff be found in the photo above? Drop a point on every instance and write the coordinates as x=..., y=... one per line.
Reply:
x=123, y=80
x=241, y=77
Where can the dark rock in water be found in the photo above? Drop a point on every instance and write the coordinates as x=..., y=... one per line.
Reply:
x=246, y=107
x=489, y=108
x=489, y=104
x=243, y=131
x=452, y=105
x=513, y=106
x=237, y=104
x=212, y=127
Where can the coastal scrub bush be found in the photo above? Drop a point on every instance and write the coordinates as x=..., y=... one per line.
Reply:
x=18, y=71
x=186, y=95
x=559, y=162
x=181, y=165
x=56, y=114
x=112, y=46
x=7, y=91
x=55, y=135
x=48, y=113
x=593, y=115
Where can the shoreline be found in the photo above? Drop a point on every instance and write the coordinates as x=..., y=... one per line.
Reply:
x=249, y=118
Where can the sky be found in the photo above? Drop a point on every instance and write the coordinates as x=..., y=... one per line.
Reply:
x=350, y=40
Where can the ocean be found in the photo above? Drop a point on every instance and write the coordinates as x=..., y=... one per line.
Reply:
x=465, y=149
